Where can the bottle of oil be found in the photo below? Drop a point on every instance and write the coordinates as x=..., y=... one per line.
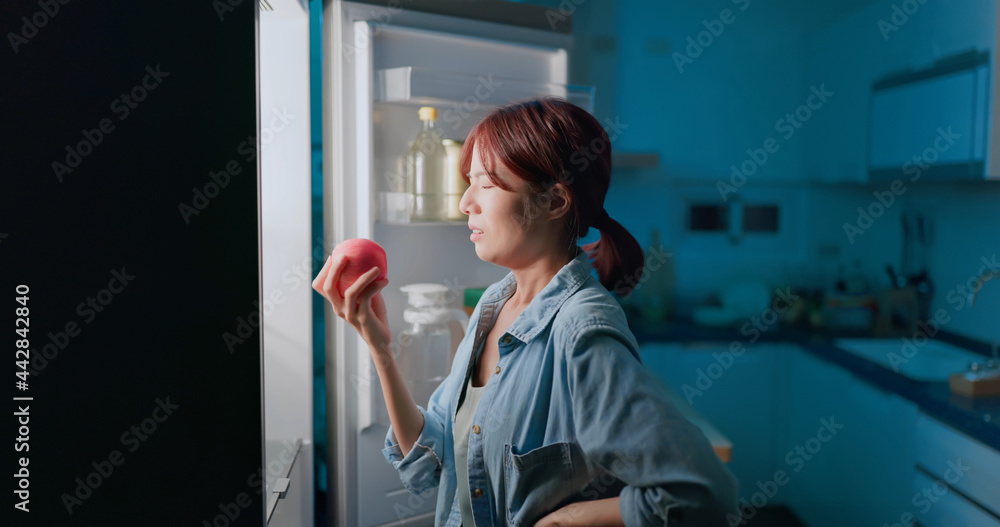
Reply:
x=427, y=171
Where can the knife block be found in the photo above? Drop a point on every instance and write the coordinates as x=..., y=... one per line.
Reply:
x=898, y=312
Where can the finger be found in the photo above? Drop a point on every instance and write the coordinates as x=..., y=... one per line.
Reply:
x=379, y=285
x=372, y=290
x=321, y=277
x=362, y=302
x=329, y=286
x=352, y=295
x=333, y=278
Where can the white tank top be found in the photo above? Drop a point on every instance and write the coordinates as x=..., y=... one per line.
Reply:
x=463, y=425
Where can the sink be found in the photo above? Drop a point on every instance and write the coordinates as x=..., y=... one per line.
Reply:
x=932, y=361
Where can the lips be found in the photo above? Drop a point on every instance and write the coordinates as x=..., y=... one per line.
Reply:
x=477, y=233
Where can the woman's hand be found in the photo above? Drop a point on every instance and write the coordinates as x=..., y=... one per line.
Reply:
x=585, y=513
x=361, y=306
x=564, y=517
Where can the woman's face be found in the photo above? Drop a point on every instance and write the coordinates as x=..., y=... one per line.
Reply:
x=513, y=234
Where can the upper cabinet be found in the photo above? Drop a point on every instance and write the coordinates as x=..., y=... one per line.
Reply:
x=931, y=124
x=873, y=60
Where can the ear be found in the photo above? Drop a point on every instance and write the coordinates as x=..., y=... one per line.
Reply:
x=559, y=199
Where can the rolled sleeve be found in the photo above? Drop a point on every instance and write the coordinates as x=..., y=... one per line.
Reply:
x=420, y=469
x=627, y=425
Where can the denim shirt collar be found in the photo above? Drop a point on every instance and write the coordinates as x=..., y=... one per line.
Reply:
x=546, y=304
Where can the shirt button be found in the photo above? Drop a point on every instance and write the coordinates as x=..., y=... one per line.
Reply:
x=506, y=339
x=476, y=429
x=478, y=493
x=497, y=371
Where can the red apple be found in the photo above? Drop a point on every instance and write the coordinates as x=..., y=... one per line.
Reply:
x=362, y=254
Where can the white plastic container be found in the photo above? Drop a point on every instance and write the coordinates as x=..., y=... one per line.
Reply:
x=428, y=343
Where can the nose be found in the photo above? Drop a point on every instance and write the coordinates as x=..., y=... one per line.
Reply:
x=467, y=202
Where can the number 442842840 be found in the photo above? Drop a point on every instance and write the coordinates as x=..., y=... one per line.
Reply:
x=21, y=326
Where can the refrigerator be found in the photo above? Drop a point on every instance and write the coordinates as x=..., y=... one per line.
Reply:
x=381, y=62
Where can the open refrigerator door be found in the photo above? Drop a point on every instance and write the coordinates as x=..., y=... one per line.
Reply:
x=380, y=65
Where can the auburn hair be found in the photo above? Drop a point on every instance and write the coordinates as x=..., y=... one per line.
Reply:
x=550, y=140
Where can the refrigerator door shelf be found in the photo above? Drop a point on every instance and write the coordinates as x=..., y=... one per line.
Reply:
x=423, y=86
x=423, y=223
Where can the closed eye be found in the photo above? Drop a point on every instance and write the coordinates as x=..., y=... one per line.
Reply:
x=486, y=186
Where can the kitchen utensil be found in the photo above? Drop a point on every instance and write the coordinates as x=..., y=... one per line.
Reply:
x=897, y=312
x=894, y=279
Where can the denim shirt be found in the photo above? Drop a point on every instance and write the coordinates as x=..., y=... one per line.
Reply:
x=569, y=415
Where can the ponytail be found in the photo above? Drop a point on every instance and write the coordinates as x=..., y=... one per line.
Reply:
x=617, y=256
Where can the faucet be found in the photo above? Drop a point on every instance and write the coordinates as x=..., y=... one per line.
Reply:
x=995, y=363
x=986, y=278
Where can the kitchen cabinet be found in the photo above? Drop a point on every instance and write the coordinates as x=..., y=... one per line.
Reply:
x=848, y=446
x=734, y=390
x=931, y=124
x=957, y=479
x=947, y=508
x=850, y=54
x=880, y=452
x=818, y=484
x=805, y=432
x=849, y=453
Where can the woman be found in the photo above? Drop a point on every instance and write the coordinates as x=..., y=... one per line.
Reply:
x=547, y=417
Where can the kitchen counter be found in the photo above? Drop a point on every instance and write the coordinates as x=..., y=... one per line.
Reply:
x=722, y=446
x=978, y=418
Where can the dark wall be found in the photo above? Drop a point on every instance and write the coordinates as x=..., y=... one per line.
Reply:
x=115, y=116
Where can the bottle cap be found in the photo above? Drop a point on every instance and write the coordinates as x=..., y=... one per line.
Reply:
x=425, y=294
x=427, y=113
x=426, y=315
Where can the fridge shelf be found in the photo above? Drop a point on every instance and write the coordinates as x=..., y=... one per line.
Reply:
x=422, y=86
x=461, y=223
